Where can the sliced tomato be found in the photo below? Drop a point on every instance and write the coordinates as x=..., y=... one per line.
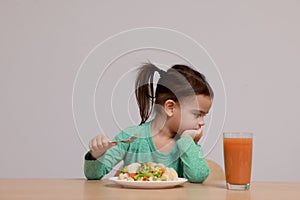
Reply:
x=132, y=175
x=145, y=178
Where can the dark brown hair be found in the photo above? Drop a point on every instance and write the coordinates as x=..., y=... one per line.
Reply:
x=176, y=83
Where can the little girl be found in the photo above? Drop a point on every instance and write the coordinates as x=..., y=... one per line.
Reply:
x=181, y=100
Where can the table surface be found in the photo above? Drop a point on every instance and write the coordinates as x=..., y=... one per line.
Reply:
x=83, y=189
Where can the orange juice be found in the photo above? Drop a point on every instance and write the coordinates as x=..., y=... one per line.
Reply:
x=238, y=159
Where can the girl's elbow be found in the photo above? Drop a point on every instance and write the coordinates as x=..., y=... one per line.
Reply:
x=93, y=176
x=198, y=176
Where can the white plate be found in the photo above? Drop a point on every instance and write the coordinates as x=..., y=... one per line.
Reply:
x=148, y=184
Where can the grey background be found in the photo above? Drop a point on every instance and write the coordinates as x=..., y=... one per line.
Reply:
x=43, y=43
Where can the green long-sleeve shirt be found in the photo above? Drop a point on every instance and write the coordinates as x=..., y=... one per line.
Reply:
x=186, y=157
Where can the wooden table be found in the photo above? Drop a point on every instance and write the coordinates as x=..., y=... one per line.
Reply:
x=43, y=189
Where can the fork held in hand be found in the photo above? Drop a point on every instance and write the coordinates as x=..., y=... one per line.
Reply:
x=133, y=138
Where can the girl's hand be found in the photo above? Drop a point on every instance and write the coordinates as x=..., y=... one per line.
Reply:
x=99, y=144
x=195, y=134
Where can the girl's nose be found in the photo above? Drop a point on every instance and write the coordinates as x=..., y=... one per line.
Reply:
x=201, y=122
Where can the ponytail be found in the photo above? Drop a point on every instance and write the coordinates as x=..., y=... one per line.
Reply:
x=144, y=90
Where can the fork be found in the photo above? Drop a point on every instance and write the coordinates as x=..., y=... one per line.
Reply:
x=133, y=138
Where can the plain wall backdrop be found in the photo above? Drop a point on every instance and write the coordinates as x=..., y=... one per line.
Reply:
x=255, y=45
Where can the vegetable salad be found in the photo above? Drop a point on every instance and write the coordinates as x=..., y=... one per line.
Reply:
x=147, y=171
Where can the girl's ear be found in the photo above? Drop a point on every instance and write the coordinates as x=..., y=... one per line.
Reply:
x=169, y=107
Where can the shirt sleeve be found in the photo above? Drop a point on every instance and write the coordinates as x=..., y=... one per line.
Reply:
x=194, y=164
x=96, y=169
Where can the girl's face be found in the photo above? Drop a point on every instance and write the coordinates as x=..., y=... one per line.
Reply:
x=191, y=113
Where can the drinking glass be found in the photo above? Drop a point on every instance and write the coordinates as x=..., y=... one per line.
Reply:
x=238, y=159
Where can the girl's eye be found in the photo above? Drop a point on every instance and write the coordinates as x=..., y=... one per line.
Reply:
x=196, y=115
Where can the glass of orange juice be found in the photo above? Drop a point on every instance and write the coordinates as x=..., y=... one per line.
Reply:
x=238, y=159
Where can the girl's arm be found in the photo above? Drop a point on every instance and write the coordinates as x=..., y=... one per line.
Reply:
x=97, y=168
x=195, y=167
